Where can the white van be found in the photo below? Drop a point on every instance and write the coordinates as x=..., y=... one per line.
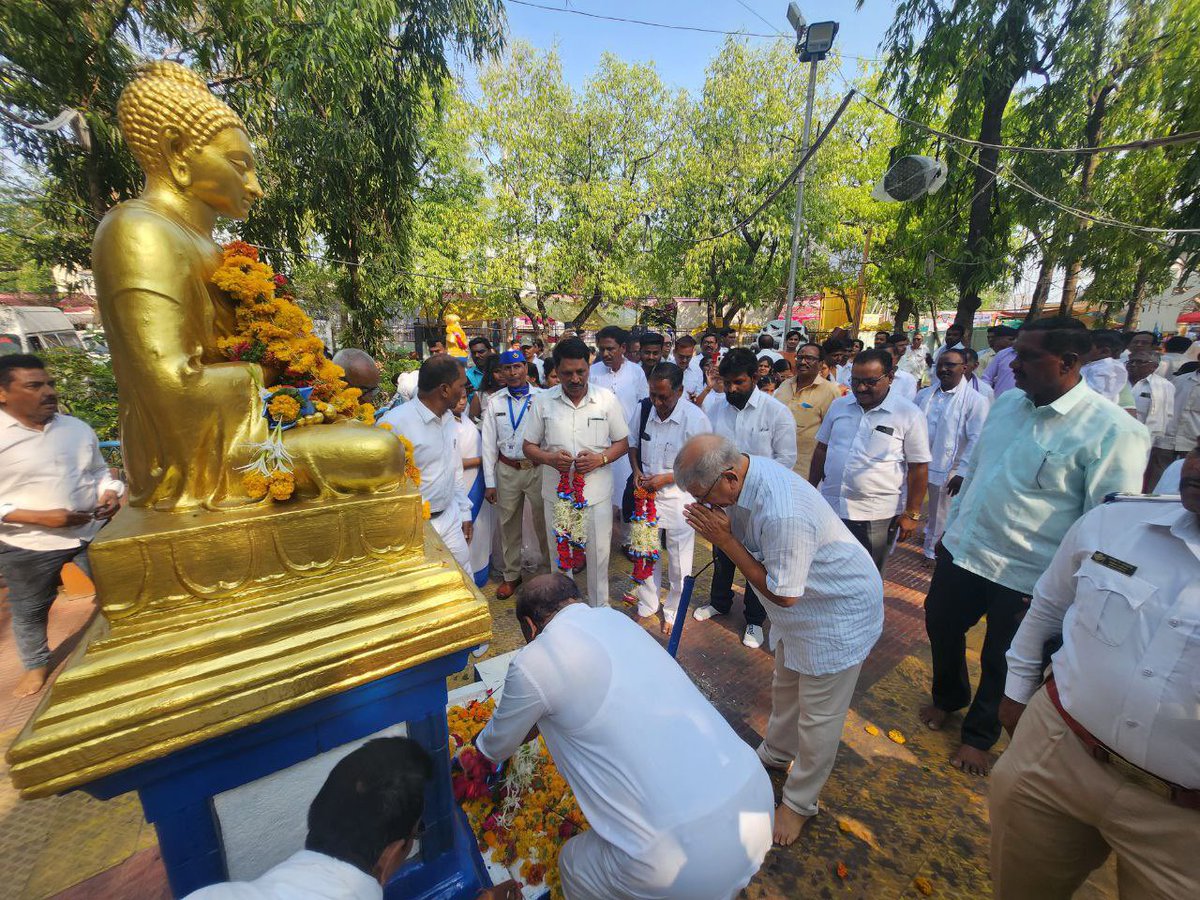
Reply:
x=32, y=329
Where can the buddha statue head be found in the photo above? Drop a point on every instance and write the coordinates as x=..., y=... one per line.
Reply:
x=188, y=141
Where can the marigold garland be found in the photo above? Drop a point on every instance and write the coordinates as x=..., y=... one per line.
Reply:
x=570, y=530
x=309, y=389
x=531, y=826
x=276, y=333
x=643, y=534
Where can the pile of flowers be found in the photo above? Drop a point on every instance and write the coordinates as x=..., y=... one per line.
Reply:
x=570, y=531
x=643, y=534
x=525, y=812
x=306, y=388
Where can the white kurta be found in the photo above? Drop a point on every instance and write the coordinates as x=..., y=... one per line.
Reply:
x=608, y=700
x=663, y=440
x=955, y=419
x=629, y=385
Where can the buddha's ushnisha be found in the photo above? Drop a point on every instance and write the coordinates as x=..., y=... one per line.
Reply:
x=188, y=417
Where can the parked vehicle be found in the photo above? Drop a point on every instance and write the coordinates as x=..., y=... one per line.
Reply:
x=33, y=329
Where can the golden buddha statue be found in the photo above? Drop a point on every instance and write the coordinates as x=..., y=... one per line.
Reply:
x=218, y=612
x=187, y=415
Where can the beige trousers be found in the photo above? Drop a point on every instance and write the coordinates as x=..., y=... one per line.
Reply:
x=1057, y=813
x=805, y=729
x=514, y=488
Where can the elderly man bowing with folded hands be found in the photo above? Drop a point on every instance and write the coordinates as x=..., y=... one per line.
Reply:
x=822, y=593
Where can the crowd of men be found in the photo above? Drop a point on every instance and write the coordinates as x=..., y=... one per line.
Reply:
x=1020, y=472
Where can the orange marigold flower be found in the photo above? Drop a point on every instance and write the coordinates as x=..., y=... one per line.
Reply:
x=255, y=485
x=283, y=484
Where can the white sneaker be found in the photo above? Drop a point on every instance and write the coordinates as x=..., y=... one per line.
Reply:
x=753, y=638
x=480, y=650
x=706, y=612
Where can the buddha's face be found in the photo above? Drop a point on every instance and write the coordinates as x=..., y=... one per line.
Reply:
x=221, y=174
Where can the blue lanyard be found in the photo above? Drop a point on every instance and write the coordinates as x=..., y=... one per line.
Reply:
x=516, y=423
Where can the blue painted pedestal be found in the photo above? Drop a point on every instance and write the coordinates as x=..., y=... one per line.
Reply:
x=177, y=790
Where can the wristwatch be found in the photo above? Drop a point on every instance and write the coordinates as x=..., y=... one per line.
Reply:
x=916, y=517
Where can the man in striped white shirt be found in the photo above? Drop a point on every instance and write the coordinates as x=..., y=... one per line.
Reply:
x=823, y=594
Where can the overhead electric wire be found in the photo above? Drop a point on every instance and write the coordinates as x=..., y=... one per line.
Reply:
x=1019, y=184
x=783, y=185
x=591, y=15
x=669, y=25
x=1183, y=137
x=754, y=12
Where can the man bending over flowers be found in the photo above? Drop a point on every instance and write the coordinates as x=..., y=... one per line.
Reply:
x=698, y=824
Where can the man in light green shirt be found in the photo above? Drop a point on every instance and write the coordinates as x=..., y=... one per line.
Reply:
x=1048, y=453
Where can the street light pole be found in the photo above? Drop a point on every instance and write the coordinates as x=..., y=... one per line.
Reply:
x=798, y=215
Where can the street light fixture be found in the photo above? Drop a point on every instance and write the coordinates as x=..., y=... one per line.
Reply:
x=818, y=40
x=813, y=43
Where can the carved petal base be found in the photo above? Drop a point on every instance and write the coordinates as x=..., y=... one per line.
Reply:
x=214, y=621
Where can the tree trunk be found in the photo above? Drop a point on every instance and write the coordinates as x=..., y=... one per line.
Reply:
x=1139, y=297
x=904, y=309
x=1093, y=129
x=1041, y=290
x=1009, y=44
x=592, y=304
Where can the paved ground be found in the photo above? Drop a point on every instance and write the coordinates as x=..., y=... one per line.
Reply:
x=897, y=820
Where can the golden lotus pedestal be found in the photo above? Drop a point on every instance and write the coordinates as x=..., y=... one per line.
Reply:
x=227, y=637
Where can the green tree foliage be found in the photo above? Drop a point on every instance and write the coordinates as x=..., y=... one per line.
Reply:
x=20, y=227
x=337, y=93
x=70, y=54
x=958, y=64
x=86, y=389
x=332, y=92
x=517, y=125
x=739, y=138
x=452, y=218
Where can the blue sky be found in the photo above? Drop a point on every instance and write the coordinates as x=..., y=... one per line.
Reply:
x=681, y=56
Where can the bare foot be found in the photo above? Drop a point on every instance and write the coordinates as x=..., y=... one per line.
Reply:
x=972, y=760
x=34, y=681
x=933, y=717
x=789, y=824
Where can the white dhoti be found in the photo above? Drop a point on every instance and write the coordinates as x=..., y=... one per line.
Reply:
x=598, y=521
x=937, y=510
x=713, y=857
x=680, y=540
x=449, y=528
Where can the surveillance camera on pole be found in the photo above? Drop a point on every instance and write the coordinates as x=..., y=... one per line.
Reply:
x=910, y=177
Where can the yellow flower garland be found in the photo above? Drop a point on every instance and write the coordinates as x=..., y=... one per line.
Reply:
x=276, y=333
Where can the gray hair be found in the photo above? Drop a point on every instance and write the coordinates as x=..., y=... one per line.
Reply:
x=702, y=469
